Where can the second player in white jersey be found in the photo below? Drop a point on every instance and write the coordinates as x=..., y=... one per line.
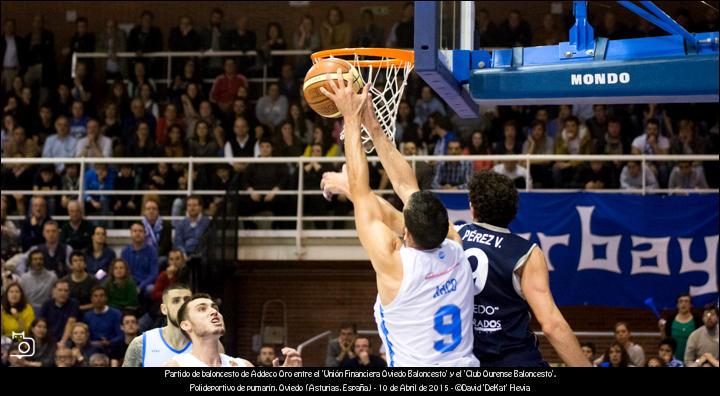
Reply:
x=429, y=323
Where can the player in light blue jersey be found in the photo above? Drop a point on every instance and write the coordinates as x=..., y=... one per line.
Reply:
x=425, y=293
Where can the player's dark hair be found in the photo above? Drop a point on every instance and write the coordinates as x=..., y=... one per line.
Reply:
x=493, y=197
x=426, y=220
x=182, y=312
x=175, y=286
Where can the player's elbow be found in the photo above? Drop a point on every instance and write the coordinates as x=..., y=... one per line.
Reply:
x=555, y=327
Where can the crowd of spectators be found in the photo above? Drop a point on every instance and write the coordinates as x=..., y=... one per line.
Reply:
x=64, y=285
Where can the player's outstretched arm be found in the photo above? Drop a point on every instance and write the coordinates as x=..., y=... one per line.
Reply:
x=337, y=183
x=535, y=286
x=401, y=175
x=377, y=239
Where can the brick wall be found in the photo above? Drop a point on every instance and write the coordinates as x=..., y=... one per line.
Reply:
x=319, y=296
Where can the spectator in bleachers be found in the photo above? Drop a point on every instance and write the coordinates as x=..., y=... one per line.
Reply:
x=76, y=232
x=118, y=96
x=557, y=124
x=305, y=38
x=452, y=175
x=287, y=142
x=99, y=255
x=183, y=38
x=43, y=124
x=514, y=171
x=60, y=311
x=44, y=345
x=111, y=41
x=423, y=170
x=655, y=361
x=265, y=356
x=190, y=75
x=147, y=96
x=242, y=39
x=142, y=259
x=80, y=345
x=190, y=232
x=17, y=313
x=175, y=145
x=19, y=176
x=635, y=353
x=611, y=28
x=631, y=177
x=125, y=205
x=121, y=289
x=94, y=144
x=550, y=33
x=322, y=136
x=14, y=51
x=101, y=178
x=10, y=232
x=573, y=139
x=538, y=142
x=26, y=110
x=64, y=357
x=137, y=117
x=99, y=360
x=226, y=86
x=82, y=85
x=615, y=356
x=595, y=175
x=335, y=32
x=213, y=38
x=613, y=142
x=8, y=126
x=303, y=127
x=511, y=142
x=158, y=233
x=103, y=321
x=485, y=30
x=702, y=345
x=441, y=133
x=37, y=282
x=597, y=124
x=405, y=126
x=682, y=324
x=341, y=347
x=687, y=141
x=56, y=254
x=169, y=119
x=666, y=351
x=31, y=229
x=369, y=35
x=684, y=176
x=79, y=120
x=588, y=349
x=362, y=349
x=651, y=142
x=242, y=144
x=176, y=272
x=274, y=41
x=427, y=105
x=289, y=85
x=61, y=144
x=402, y=33
x=272, y=109
x=266, y=177
x=130, y=330
x=514, y=31
x=61, y=101
x=202, y=144
x=47, y=180
x=81, y=283
x=146, y=38
x=142, y=145
x=82, y=41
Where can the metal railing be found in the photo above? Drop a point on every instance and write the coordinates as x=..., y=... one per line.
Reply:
x=169, y=55
x=326, y=335
x=301, y=192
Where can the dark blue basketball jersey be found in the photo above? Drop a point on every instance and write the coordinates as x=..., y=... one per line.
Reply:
x=501, y=314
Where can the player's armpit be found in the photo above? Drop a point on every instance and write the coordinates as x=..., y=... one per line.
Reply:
x=380, y=242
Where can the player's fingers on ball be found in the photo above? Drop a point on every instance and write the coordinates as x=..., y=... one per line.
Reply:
x=340, y=79
x=326, y=93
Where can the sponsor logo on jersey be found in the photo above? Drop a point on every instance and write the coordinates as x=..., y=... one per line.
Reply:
x=441, y=255
x=487, y=326
x=487, y=310
x=433, y=275
x=446, y=288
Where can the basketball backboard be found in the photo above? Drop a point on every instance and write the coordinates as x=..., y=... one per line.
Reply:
x=676, y=67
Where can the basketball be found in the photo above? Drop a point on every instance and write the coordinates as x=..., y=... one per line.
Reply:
x=319, y=76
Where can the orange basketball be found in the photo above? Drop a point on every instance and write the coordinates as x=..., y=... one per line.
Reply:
x=320, y=75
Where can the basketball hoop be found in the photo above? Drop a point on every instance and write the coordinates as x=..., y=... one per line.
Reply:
x=387, y=71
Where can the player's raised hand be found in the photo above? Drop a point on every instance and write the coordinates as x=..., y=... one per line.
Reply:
x=335, y=183
x=349, y=103
x=292, y=358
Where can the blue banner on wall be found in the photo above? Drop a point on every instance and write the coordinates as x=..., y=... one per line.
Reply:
x=619, y=250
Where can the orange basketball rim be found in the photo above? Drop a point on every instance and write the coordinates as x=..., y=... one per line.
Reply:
x=389, y=56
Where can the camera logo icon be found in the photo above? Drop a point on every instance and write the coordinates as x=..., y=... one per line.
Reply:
x=26, y=346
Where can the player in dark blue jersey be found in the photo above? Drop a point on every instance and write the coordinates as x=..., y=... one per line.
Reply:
x=511, y=280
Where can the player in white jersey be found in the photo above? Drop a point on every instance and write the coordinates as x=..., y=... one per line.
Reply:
x=156, y=346
x=425, y=293
x=201, y=321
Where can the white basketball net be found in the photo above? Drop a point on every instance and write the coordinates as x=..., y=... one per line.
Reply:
x=386, y=87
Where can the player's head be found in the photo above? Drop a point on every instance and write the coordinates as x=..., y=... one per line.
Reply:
x=172, y=299
x=426, y=221
x=200, y=317
x=493, y=198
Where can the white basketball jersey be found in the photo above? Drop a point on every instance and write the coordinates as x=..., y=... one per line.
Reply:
x=156, y=351
x=429, y=323
x=188, y=360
